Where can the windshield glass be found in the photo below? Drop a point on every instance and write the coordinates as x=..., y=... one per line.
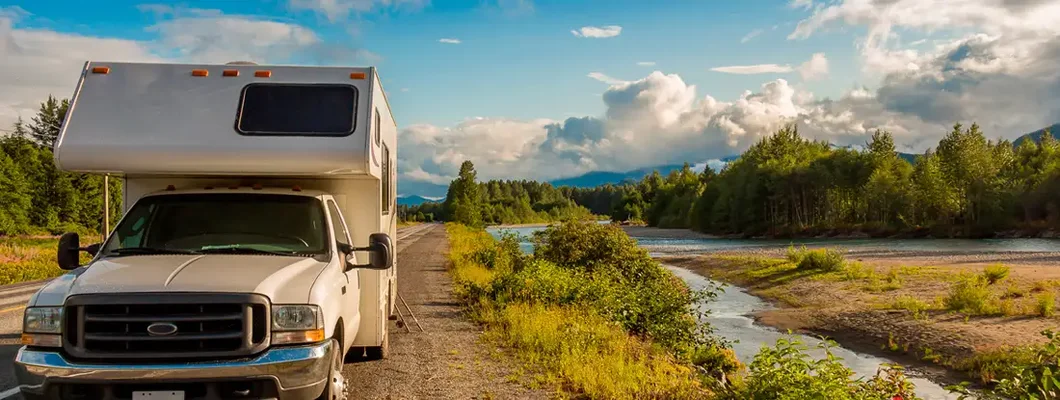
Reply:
x=222, y=223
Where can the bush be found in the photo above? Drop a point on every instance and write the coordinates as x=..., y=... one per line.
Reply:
x=785, y=372
x=912, y=304
x=969, y=295
x=817, y=259
x=995, y=273
x=1019, y=373
x=1046, y=304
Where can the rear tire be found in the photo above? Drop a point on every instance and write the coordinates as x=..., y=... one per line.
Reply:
x=335, y=388
x=382, y=351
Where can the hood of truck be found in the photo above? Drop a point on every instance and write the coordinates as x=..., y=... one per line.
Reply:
x=282, y=279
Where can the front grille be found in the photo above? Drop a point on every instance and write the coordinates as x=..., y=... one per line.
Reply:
x=207, y=325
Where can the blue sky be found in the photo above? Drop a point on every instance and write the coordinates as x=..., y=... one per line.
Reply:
x=523, y=96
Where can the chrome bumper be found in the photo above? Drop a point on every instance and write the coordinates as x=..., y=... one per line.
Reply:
x=297, y=371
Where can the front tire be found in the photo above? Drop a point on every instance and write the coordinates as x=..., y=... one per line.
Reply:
x=335, y=388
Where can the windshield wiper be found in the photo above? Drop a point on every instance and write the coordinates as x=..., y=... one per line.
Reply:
x=245, y=250
x=146, y=251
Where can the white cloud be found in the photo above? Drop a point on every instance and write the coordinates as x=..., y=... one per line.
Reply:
x=646, y=63
x=598, y=31
x=39, y=62
x=754, y=69
x=339, y=10
x=212, y=37
x=751, y=35
x=404, y=89
x=605, y=79
x=815, y=68
x=805, y=4
x=449, y=41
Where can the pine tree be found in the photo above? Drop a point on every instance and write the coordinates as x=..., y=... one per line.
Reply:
x=48, y=121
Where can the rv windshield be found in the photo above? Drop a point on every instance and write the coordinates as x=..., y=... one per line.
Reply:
x=222, y=223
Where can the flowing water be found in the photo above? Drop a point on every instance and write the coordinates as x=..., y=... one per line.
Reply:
x=730, y=312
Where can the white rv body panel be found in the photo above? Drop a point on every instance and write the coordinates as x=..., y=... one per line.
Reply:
x=142, y=118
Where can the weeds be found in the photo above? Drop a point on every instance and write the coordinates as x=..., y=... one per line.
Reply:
x=969, y=295
x=818, y=259
x=911, y=304
x=28, y=259
x=1046, y=304
x=995, y=273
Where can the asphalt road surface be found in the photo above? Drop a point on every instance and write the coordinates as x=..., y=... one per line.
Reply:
x=13, y=300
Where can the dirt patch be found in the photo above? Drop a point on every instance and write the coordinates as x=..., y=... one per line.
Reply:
x=861, y=310
x=449, y=360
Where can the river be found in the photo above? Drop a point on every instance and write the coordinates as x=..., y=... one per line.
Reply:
x=730, y=312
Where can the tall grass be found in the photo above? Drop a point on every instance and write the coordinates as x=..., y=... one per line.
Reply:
x=817, y=259
x=27, y=259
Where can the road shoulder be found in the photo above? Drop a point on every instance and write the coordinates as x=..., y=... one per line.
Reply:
x=449, y=360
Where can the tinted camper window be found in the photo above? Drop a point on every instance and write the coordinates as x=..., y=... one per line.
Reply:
x=297, y=109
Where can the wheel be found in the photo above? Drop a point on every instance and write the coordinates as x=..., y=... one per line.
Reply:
x=335, y=389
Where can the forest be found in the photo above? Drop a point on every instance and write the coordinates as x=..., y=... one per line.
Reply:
x=505, y=202
x=787, y=185
x=36, y=198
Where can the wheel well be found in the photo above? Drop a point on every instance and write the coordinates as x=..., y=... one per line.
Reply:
x=339, y=335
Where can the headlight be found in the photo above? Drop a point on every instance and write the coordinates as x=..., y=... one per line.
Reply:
x=42, y=326
x=43, y=320
x=297, y=324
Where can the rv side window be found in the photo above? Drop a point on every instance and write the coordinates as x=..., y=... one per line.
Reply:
x=386, y=180
x=376, y=123
x=338, y=225
x=297, y=109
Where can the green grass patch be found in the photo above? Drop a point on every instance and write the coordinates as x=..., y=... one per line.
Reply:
x=970, y=295
x=914, y=305
x=1046, y=304
x=817, y=259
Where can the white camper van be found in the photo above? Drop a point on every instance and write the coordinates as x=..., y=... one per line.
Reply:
x=255, y=251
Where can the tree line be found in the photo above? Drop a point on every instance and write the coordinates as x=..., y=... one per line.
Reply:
x=788, y=185
x=476, y=203
x=36, y=197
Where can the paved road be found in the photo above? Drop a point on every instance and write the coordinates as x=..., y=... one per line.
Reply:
x=13, y=300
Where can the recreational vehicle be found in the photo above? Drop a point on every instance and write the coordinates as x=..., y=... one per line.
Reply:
x=256, y=249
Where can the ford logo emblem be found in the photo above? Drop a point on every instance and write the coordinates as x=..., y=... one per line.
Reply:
x=161, y=329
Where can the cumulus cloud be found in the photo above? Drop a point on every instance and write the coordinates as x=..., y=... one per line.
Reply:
x=815, y=68
x=339, y=10
x=40, y=62
x=449, y=41
x=597, y=31
x=655, y=120
x=751, y=35
x=754, y=69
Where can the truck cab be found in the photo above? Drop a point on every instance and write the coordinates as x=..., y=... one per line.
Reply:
x=256, y=250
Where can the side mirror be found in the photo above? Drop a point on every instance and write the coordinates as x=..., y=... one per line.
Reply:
x=69, y=251
x=380, y=252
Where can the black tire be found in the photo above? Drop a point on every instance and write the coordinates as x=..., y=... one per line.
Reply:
x=335, y=388
x=380, y=352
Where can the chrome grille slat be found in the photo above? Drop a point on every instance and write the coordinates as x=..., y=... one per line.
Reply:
x=233, y=335
x=172, y=318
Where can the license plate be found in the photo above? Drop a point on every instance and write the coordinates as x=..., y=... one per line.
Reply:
x=159, y=395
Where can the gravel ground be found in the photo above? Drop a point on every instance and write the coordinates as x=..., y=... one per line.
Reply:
x=449, y=360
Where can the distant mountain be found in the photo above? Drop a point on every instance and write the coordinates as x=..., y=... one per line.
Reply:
x=1036, y=136
x=599, y=178
x=414, y=200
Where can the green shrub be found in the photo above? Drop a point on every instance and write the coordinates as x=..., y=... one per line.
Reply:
x=855, y=270
x=969, y=295
x=912, y=304
x=786, y=372
x=817, y=259
x=1046, y=304
x=1018, y=373
x=995, y=273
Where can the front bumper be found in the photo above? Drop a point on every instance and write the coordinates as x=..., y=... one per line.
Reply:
x=285, y=373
